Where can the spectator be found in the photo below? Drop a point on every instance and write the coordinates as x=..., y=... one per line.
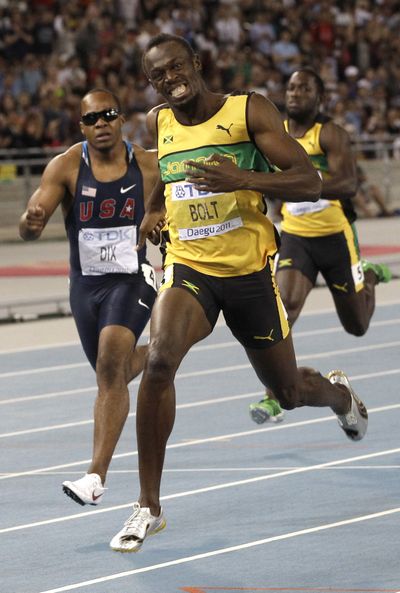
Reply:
x=32, y=74
x=285, y=53
x=354, y=46
x=369, y=200
x=44, y=33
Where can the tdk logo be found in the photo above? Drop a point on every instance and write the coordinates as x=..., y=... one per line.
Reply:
x=109, y=235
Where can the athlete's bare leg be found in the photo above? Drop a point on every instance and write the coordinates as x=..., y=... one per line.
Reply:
x=295, y=387
x=137, y=360
x=294, y=288
x=355, y=310
x=118, y=362
x=178, y=321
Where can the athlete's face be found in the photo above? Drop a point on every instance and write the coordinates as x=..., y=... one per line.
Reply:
x=104, y=133
x=174, y=73
x=302, y=96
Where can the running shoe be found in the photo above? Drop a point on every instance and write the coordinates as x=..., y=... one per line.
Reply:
x=87, y=490
x=355, y=422
x=266, y=409
x=139, y=525
x=381, y=271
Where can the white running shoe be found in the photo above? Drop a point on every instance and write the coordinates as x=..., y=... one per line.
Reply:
x=87, y=490
x=355, y=422
x=139, y=525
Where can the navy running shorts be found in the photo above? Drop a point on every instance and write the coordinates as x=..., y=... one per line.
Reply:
x=112, y=299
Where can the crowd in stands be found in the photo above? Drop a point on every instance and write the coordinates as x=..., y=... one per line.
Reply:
x=53, y=51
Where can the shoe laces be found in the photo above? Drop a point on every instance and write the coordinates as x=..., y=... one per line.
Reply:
x=137, y=519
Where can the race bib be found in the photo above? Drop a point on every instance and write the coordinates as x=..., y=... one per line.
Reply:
x=357, y=273
x=201, y=214
x=108, y=251
x=299, y=208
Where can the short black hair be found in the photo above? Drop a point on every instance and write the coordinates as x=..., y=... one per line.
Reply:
x=166, y=38
x=107, y=92
x=318, y=80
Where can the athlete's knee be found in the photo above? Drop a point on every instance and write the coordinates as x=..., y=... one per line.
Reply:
x=293, y=307
x=109, y=369
x=356, y=327
x=160, y=364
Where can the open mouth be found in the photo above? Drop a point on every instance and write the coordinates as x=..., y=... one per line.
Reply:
x=178, y=91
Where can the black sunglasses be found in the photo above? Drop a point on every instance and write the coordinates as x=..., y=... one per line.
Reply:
x=89, y=119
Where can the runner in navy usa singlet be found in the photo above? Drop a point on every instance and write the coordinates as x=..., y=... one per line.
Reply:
x=102, y=227
x=100, y=185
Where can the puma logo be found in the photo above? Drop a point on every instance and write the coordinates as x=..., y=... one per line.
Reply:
x=341, y=287
x=269, y=337
x=227, y=130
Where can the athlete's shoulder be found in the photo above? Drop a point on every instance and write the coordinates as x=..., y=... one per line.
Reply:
x=153, y=113
x=258, y=101
x=72, y=153
x=146, y=158
x=152, y=117
x=262, y=115
x=239, y=92
x=322, y=119
x=330, y=127
x=66, y=162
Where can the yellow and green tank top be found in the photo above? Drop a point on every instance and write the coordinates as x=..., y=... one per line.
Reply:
x=221, y=234
x=324, y=217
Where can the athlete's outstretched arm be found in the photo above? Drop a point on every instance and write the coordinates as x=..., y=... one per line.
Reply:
x=50, y=194
x=155, y=201
x=341, y=181
x=296, y=180
x=154, y=212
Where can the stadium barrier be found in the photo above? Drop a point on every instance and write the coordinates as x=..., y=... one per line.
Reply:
x=20, y=172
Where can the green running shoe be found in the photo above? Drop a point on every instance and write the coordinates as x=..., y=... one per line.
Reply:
x=381, y=271
x=266, y=409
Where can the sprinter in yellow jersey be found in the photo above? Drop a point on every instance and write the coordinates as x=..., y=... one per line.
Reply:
x=320, y=236
x=214, y=156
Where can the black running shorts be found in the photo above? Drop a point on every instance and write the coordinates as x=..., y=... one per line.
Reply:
x=251, y=304
x=336, y=256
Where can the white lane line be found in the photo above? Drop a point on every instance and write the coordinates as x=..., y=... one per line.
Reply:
x=176, y=445
x=180, y=406
x=204, y=402
x=195, y=442
x=93, y=389
x=325, y=311
x=218, y=470
x=219, y=551
x=316, y=355
x=50, y=395
x=58, y=367
x=223, y=486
